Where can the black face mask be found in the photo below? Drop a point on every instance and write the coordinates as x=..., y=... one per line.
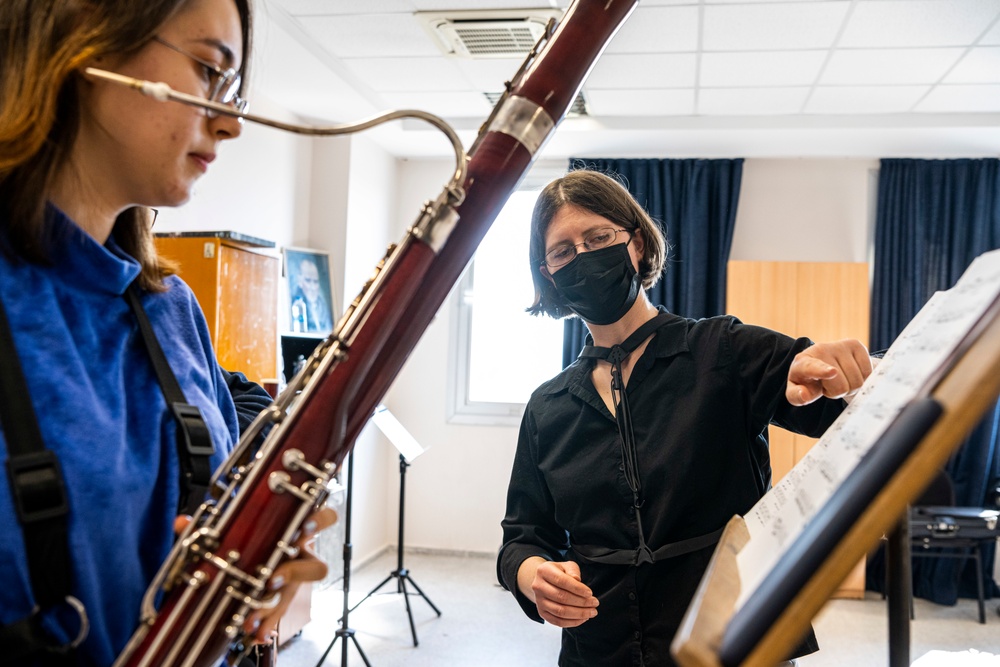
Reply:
x=599, y=286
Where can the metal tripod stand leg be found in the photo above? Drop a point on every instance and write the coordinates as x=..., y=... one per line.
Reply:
x=401, y=574
x=404, y=576
x=345, y=633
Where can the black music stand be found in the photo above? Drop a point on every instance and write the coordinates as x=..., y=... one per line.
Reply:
x=409, y=449
x=345, y=632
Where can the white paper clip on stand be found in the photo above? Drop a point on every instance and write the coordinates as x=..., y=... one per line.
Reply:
x=409, y=449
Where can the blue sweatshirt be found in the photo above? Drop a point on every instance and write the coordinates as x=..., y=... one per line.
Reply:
x=101, y=410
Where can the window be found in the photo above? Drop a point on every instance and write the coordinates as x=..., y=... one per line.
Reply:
x=501, y=353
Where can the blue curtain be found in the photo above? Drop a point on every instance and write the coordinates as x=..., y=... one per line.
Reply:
x=933, y=218
x=695, y=202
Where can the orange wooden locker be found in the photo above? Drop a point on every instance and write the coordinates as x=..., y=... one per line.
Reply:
x=235, y=279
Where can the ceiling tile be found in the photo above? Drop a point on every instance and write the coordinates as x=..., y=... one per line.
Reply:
x=481, y=5
x=775, y=68
x=372, y=36
x=748, y=2
x=980, y=65
x=407, y=74
x=487, y=74
x=342, y=59
x=640, y=102
x=918, y=23
x=864, y=99
x=446, y=105
x=962, y=98
x=657, y=70
x=891, y=66
x=806, y=25
x=336, y=7
x=992, y=36
x=657, y=30
x=751, y=101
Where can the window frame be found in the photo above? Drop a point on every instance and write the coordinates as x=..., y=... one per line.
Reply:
x=460, y=409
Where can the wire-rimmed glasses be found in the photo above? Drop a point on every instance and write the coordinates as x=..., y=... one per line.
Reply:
x=225, y=82
x=564, y=253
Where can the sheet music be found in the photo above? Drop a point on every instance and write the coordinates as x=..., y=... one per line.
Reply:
x=397, y=434
x=911, y=367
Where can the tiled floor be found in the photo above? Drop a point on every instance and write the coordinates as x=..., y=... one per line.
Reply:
x=481, y=626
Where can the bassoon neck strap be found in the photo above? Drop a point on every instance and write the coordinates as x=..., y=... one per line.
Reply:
x=617, y=354
x=194, y=442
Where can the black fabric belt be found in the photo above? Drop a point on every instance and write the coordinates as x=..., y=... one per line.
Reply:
x=643, y=554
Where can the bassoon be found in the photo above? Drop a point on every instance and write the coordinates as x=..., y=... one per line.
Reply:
x=217, y=572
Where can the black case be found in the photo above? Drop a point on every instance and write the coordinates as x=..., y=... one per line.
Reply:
x=957, y=523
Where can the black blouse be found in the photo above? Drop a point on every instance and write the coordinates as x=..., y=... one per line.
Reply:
x=701, y=398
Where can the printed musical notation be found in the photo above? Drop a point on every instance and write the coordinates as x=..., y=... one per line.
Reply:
x=921, y=354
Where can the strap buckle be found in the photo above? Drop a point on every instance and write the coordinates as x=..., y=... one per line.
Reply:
x=84, y=621
x=37, y=483
x=644, y=556
x=197, y=439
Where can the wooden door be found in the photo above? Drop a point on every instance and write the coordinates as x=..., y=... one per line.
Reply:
x=824, y=301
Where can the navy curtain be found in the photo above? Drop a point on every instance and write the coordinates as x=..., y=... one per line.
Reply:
x=934, y=217
x=695, y=203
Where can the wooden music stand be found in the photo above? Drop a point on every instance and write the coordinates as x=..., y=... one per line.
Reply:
x=713, y=629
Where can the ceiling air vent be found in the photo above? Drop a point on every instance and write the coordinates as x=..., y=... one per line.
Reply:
x=492, y=34
x=578, y=108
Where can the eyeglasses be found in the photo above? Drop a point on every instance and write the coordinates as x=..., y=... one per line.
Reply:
x=564, y=253
x=224, y=83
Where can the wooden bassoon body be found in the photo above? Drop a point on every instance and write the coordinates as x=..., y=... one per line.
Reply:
x=217, y=573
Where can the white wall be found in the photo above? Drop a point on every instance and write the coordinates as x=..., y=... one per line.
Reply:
x=371, y=224
x=804, y=210
x=329, y=194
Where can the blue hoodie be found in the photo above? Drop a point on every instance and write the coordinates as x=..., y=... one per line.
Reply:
x=101, y=410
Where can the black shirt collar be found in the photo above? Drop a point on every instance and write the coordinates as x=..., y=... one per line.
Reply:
x=668, y=341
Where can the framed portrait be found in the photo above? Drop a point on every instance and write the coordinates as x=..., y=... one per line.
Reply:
x=310, y=293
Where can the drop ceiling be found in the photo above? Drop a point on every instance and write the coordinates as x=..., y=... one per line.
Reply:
x=682, y=78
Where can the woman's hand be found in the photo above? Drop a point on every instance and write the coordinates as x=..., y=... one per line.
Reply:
x=834, y=370
x=261, y=626
x=561, y=597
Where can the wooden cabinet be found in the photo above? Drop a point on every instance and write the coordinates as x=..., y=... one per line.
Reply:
x=235, y=280
x=821, y=300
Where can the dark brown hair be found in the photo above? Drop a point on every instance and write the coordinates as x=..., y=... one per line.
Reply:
x=604, y=196
x=43, y=43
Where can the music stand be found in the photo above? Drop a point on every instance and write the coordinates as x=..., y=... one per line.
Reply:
x=409, y=449
x=345, y=632
x=943, y=372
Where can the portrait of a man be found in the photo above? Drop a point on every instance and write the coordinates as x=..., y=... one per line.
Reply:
x=309, y=301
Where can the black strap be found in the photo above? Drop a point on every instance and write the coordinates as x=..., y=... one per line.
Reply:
x=643, y=554
x=194, y=442
x=36, y=480
x=36, y=483
x=617, y=354
x=629, y=344
x=27, y=639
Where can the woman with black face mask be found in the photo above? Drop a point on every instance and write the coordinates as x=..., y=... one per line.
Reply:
x=630, y=462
